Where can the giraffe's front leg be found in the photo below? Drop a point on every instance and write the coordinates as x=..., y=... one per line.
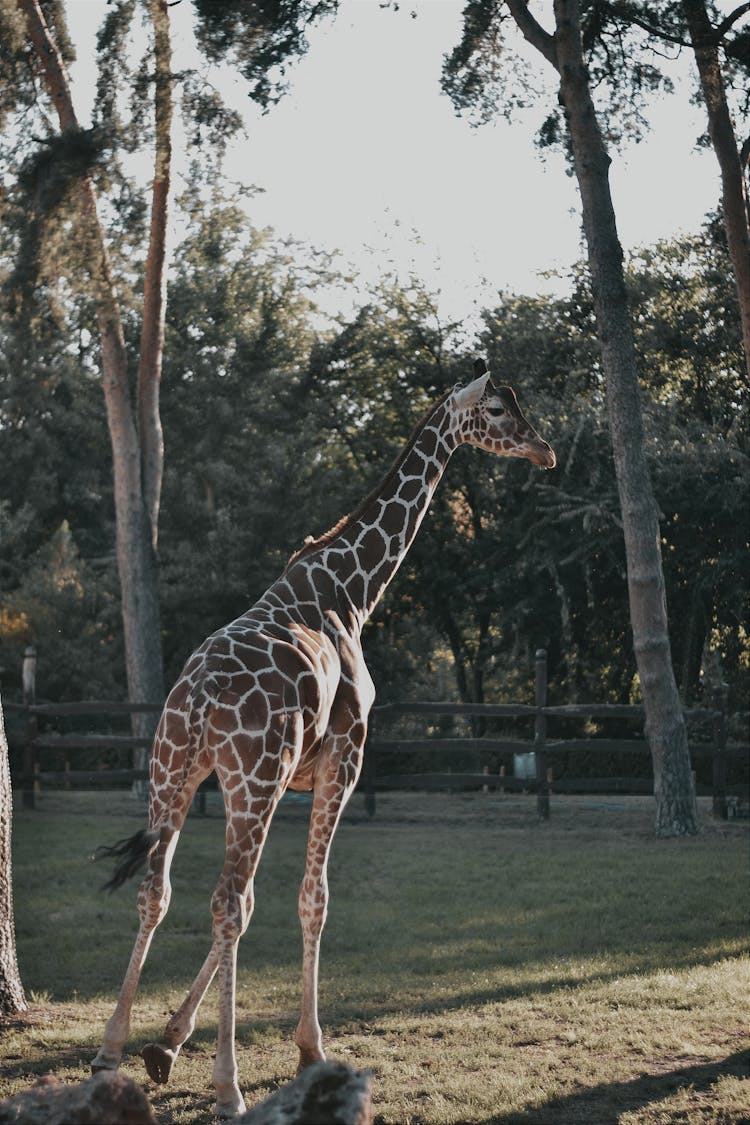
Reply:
x=335, y=782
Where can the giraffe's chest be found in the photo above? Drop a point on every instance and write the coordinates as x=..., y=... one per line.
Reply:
x=342, y=707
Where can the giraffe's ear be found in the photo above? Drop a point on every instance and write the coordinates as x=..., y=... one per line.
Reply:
x=470, y=396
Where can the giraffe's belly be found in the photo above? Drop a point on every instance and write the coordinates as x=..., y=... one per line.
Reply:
x=304, y=778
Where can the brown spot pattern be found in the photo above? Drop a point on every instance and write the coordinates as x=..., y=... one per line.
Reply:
x=279, y=699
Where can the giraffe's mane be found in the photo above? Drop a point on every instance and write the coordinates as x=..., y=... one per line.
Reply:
x=312, y=544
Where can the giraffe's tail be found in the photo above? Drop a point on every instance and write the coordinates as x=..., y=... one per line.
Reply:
x=131, y=854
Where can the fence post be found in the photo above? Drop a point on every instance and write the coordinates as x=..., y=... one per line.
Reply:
x=540, y=735
x=720, y=753
x=28, y=683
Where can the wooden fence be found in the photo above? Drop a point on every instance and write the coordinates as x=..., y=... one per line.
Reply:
x=24, y=734
x=35, y=747
x=379, y=750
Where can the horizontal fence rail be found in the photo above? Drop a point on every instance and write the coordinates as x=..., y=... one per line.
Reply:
x=377, y=775
x=35, y=747
x=539, y=751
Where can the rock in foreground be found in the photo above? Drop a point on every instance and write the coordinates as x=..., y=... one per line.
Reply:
x=324, y=1094
x=109, y=1098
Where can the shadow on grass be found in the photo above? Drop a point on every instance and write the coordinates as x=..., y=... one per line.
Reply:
x=603, y=1105
x=434, y=909
x=358, y=1009
x=33, y=1066
x=166, y=1101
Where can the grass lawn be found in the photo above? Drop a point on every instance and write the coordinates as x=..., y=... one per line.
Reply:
x=484, y=966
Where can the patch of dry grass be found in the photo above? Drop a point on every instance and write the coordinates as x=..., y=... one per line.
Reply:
x=484, y=966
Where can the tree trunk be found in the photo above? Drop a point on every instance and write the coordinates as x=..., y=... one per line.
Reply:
x=152, y=340
x=12, y=998
x=453, y=633
x=733, y=191
x=136, y=506
x=155, y=280
x=676, y=812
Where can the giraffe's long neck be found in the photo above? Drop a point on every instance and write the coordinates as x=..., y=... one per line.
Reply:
x=367, y=549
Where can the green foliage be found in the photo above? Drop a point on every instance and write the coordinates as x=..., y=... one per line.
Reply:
x=50, y=413
x=687, y=328
x=46, y=183
x=18, y=70
x=240, y=449
x=114, y=70
x=54, y=451
x=44, y=231
x=209, y=120
x=662, y=29
x=16, y=83
x=277, y=423
x=260, y=36
x=63, y=608
x=538, y=548
x=701, y=481
x=476, y=71
x=688, y=336
x=486, y=75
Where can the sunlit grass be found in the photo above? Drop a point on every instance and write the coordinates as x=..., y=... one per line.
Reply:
x=484, y=967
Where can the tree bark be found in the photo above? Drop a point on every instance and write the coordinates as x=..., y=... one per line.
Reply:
x=12, y=997
x=155, y=280
x=676, y=812
x=721, y=131
x=136, y=507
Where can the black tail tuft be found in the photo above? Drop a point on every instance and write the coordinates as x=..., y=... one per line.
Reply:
x=131, y=855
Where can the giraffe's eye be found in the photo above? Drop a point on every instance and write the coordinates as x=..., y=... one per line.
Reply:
x=495, y=411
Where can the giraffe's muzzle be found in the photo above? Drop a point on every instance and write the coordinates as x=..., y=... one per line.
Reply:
x=539, y=453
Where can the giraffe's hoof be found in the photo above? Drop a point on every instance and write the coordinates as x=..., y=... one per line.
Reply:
x=309, y=1058
x=104, y=1060
x=225, y=1111
x=96, y=1069
x=158, y=1061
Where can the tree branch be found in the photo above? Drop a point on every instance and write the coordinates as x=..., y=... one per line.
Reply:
x=727, y=22
x=532, y=30
x=623, y=10
x=626, y=12
x=51, y=62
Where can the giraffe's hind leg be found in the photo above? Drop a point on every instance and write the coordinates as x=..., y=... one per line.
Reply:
x=249, y=805
x=159, y=1058
x=153, y=901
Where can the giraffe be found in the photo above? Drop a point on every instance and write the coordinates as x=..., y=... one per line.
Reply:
x=277, y=700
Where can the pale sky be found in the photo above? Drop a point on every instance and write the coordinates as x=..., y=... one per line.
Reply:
x=365, y=155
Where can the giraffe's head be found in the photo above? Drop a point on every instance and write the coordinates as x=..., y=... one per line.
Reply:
x=490, y=417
